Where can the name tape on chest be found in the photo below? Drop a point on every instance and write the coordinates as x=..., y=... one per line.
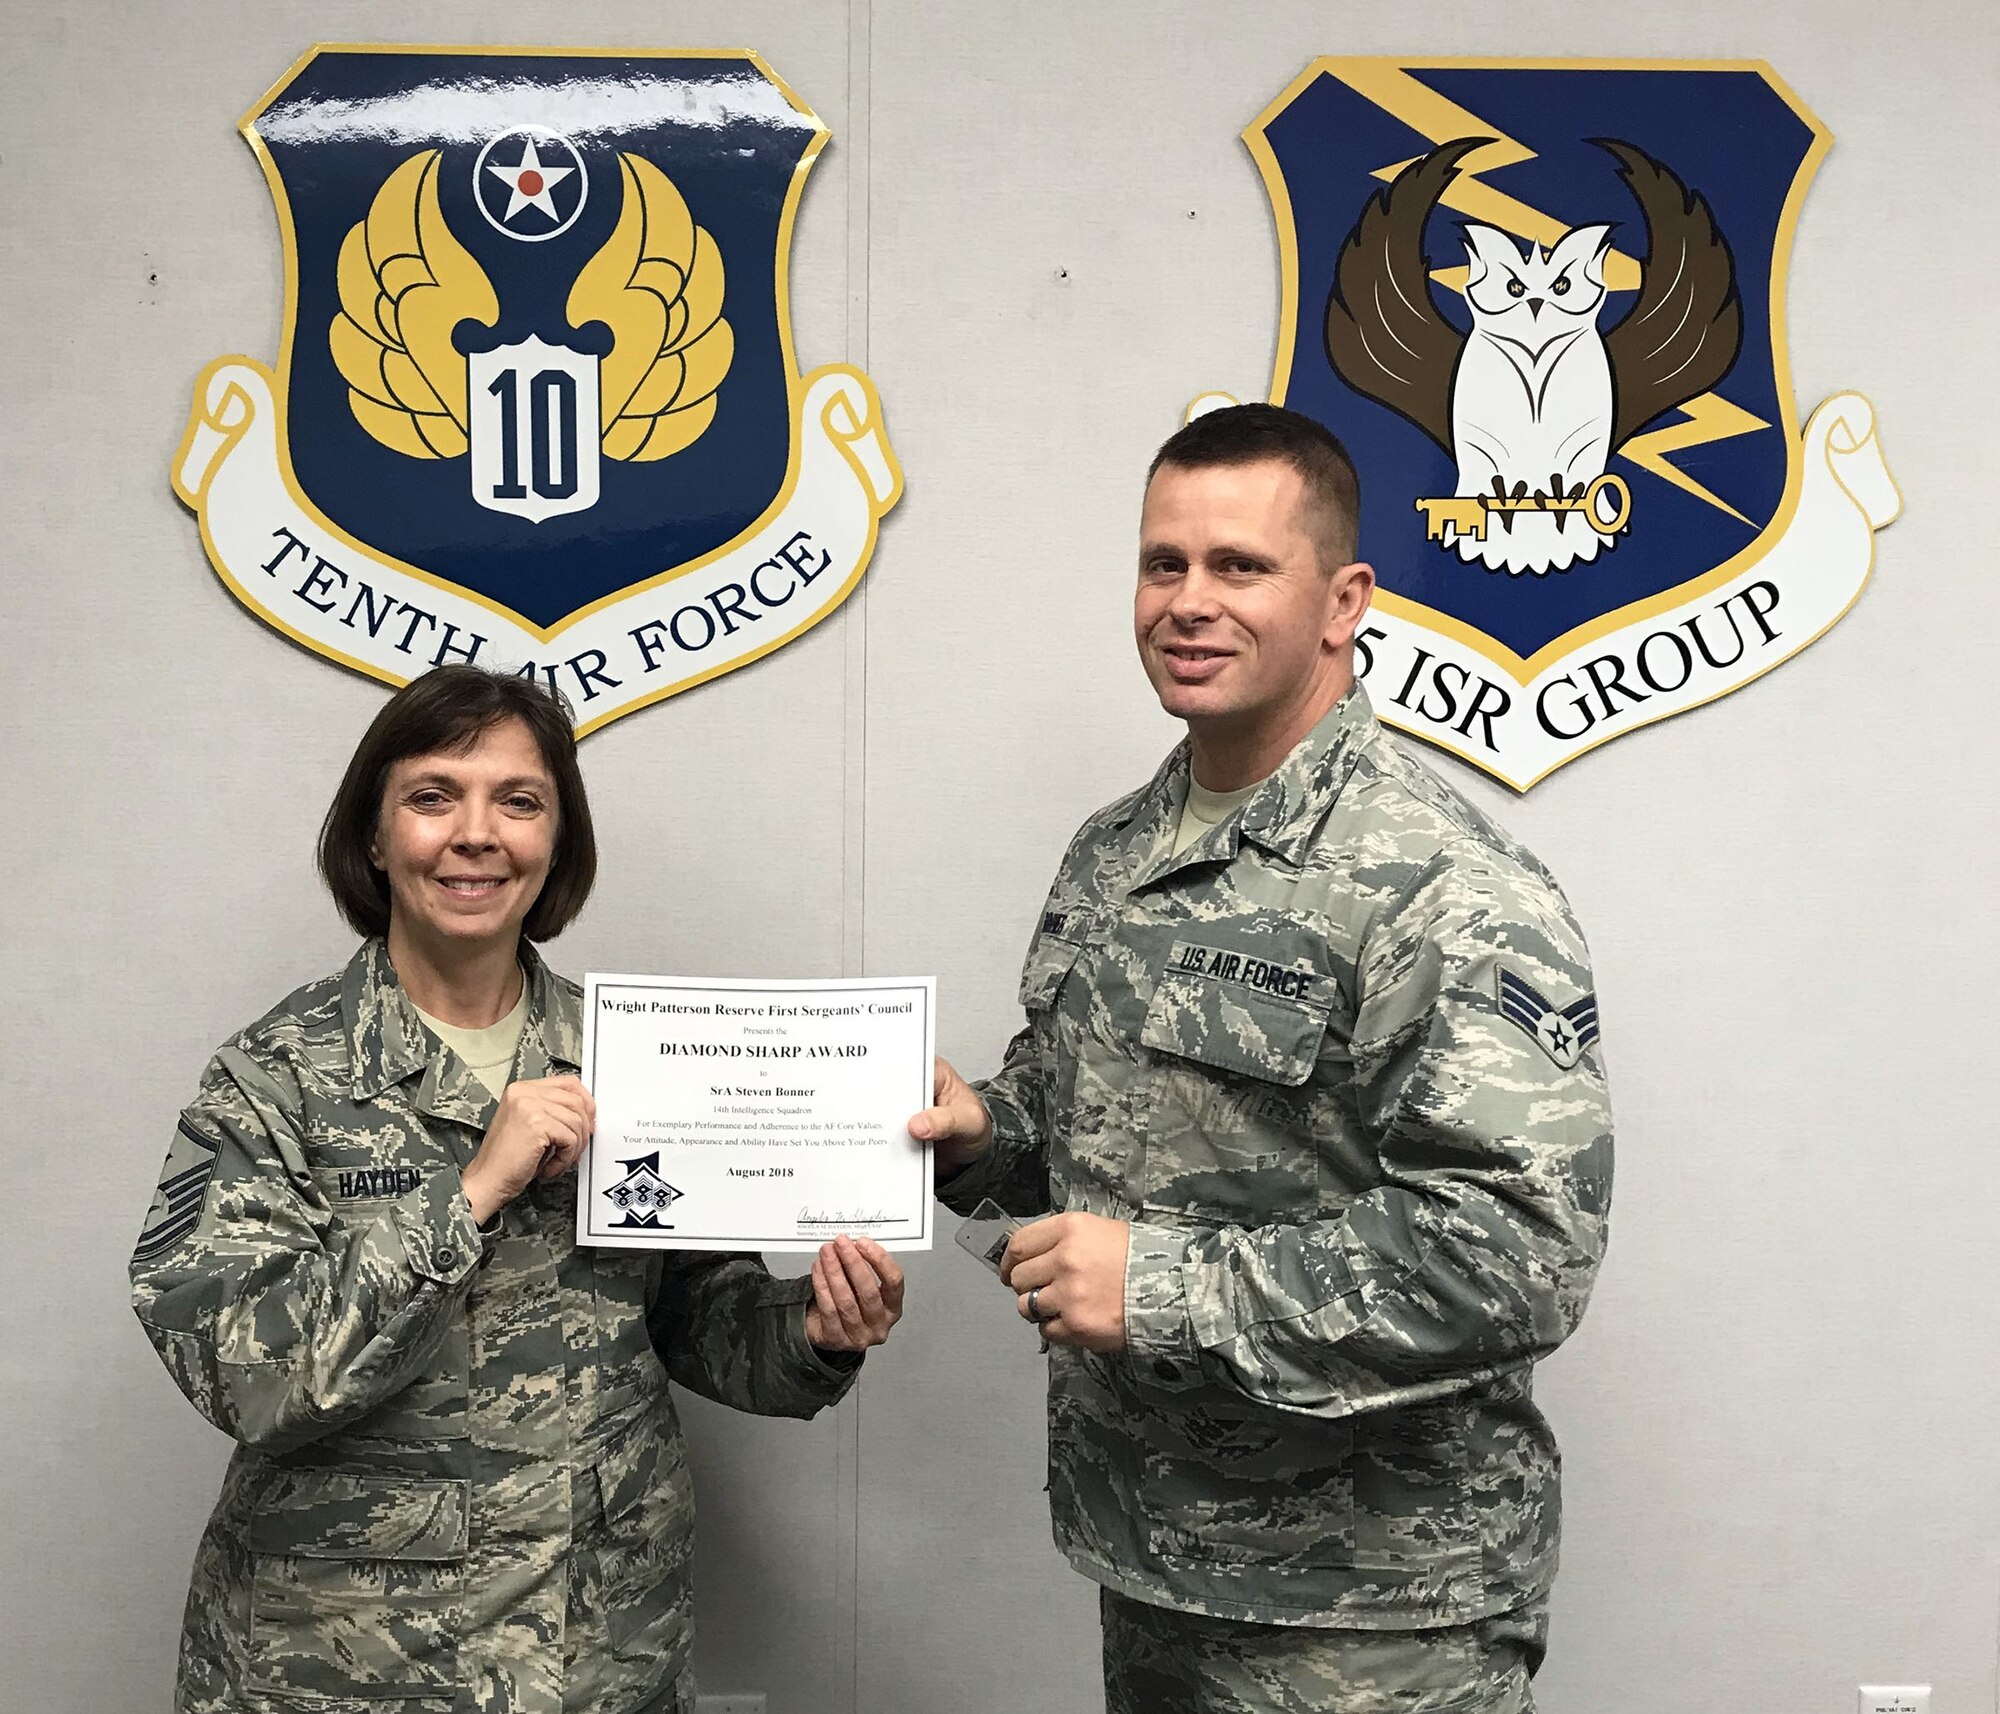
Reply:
x=1243, y=969
x=1064, y=925
x=373, y=1181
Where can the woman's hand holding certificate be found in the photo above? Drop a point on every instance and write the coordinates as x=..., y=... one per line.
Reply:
x=857, y=1295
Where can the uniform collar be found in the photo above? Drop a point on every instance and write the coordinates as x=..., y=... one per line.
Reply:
x=387, y=1042
x=1285, y=812
x=552, y=1038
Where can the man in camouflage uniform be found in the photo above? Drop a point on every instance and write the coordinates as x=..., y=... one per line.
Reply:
x=1310, y=1077
x=460, y=1482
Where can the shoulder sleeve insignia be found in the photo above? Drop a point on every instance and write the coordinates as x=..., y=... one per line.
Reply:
x=177, y=1202
x=1563, y=1033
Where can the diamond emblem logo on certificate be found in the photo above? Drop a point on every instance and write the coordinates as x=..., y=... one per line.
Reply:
x=748, y=1115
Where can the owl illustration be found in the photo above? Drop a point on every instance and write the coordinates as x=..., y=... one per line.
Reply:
x=1535, y=399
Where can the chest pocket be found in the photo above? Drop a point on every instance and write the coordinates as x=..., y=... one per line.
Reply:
x=1050, y=960
x=1088, y=1163
x=1230, y=1135
x=361, y=1175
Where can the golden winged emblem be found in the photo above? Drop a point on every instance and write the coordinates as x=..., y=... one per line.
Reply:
x=657, y=284
x=406, y=283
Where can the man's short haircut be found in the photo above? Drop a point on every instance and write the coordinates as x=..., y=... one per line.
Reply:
x=1249, y=434
x=444, y=712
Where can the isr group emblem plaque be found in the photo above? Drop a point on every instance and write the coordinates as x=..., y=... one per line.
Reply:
x=536, y=404
x=1542, y=304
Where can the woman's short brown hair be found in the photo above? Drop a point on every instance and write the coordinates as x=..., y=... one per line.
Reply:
x=445, y=711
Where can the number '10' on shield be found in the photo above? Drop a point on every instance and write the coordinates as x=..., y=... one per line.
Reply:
x=534, y=430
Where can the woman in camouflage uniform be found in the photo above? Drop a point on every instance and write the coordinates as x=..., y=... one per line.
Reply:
x=459, y=1482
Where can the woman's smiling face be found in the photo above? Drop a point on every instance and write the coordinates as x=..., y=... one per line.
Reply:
x=465, y=839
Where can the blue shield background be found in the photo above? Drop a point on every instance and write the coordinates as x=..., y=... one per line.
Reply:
x=730, y=142
x=1729, y=135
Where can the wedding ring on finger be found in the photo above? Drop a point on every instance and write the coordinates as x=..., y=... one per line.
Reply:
x=1035, y=1315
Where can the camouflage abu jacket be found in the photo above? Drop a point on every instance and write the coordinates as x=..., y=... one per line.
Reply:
x=1337, y=1063
x=460, y=1483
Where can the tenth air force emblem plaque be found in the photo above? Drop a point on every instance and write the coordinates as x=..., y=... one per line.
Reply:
x=536, y=404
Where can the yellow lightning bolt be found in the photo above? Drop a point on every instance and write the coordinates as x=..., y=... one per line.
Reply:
x=1398, y=93
x=1433, y=116
x=1710, y=417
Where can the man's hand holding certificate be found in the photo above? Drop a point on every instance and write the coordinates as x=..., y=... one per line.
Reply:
x=740, y=1115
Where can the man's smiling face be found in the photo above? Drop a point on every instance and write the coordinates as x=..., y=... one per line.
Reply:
x=1237, y=622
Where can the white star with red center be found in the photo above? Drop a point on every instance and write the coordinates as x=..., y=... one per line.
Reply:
x=529, y=181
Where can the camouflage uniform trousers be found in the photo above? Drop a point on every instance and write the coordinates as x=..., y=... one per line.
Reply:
x=1161, y=1661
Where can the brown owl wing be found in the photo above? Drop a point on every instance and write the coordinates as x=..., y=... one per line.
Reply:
x=1683, y=334
x=1384, y=333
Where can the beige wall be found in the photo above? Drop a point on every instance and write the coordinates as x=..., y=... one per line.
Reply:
x=1037, y=231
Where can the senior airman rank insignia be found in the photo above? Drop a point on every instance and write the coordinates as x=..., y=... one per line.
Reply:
x=536, y=404
x=1542, y=304
x=1564, y=1033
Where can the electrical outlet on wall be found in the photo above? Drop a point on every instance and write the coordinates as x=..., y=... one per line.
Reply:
x=1893, y=1699
x=731, y=1702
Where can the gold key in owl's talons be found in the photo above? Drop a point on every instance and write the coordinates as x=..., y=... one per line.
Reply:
x=1464, y=513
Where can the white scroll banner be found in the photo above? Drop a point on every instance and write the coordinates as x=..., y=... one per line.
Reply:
x=1674, y=659
x=320, y=587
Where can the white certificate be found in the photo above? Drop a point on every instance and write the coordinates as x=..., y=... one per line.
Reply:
x=738, y=1115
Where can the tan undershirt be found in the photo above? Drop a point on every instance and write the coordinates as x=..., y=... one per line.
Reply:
x=1205, y=808
x=488, y=1053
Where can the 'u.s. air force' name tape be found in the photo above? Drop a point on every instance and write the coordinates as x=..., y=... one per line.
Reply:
x=1220, y=964
x=1215, y=963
